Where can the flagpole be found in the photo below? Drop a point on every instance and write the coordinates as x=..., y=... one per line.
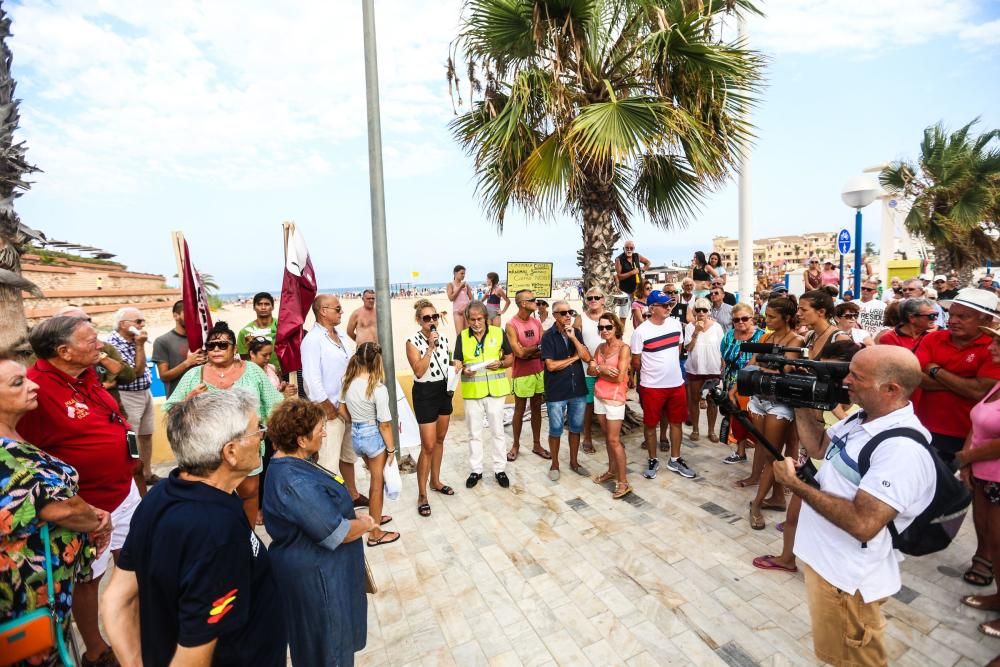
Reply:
x=383, y=304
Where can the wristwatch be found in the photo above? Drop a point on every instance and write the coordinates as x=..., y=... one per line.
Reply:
x=101, y=357
x=934, y=371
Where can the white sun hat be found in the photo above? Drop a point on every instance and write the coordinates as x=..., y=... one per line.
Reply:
x=978, y=299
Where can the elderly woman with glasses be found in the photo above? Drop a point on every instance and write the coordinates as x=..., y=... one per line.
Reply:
x=916, y=317
x=813, y=276
x=610, y=365
x=734, y=360
x=224, y=372
x=703, y=338
x=639, y=310
x=846, y=314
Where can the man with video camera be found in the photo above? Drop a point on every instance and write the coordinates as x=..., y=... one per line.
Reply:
x=847, y=552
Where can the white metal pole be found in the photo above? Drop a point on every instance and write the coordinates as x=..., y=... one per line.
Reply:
x=745, y=253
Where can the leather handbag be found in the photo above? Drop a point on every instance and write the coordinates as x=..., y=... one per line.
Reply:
x=370, y=586
x=37, y=631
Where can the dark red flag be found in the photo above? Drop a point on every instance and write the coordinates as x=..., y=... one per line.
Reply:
x=197, y=316
x=298, y=289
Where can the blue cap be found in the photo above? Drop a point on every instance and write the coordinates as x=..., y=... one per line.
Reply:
x=656, y=296
x=848, y=294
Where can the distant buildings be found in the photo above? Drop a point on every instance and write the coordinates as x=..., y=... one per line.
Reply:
x=780, y=251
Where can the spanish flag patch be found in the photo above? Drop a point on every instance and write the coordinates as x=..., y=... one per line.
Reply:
x=221, y=607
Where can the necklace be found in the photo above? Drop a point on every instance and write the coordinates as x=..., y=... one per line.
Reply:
x=222, y=373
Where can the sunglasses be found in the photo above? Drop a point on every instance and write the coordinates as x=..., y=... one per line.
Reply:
x=605, y=327
x=867, y=289
x=218, y=345
x=561, y=313
x=544, y=304
x=670, y=291
x=431, y=318
x=531, y=300
x=930, y=316
x=645, y=316
x=261, y=339
x=336, y=308
x=701, y=310
x=746, y=318
x=849, y=316
x=594, y=297
x=138, y=321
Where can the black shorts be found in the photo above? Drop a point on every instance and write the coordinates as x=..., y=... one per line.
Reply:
x=430, y=401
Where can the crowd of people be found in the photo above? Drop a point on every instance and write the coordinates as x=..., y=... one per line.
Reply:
x=193, y=582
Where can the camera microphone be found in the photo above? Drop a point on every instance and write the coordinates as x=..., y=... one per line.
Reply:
x=760, y=348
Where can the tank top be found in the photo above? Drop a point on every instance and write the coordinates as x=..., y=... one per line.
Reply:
x=493, y=303
x=985, y=418
x=529, y=334
x=437, y=369
x=606, y=388
x=591, y=337
x=700, y=274
x=461, y=301
x=629, y=284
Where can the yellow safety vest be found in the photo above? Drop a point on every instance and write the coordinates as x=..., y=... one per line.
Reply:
x=485, y=382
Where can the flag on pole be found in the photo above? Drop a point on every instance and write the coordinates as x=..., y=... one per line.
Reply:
x=197, y=316
x=298, y=289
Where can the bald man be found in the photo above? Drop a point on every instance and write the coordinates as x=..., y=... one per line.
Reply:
x=842, y=540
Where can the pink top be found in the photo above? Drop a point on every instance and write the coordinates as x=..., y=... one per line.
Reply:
x=607, y=389
x=831, y=277
x=985, y=416
x=529, y=334
x=272, y=375
x=461, y=301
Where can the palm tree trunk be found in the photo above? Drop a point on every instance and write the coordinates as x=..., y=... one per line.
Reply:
x=599, y=237
x=14, y=332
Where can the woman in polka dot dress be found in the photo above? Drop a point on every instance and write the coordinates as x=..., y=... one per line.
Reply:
x=430, y=358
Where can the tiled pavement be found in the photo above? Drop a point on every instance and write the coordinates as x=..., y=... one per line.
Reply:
x=548, y=573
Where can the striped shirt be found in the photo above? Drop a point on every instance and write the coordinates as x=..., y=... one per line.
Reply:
x=659, y=345
x=127, y=350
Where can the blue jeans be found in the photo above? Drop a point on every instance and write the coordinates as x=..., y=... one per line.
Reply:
x=367, y=440
x=568, y=413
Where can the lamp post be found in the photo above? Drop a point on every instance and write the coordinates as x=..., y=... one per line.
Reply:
x=857, y=193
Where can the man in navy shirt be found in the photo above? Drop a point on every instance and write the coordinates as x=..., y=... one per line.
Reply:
x=193, y=583
x=565, y=386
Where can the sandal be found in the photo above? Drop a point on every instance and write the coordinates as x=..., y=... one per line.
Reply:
x=385, y=519
x=424, y=510
x=989, y=629
x=541, y=452
x=756, y=522
x=980, y=602
x=712, y=437
x=774, y=508
x=745, y=483
x=694, y=436
x=444, y=490
x=977, y=577
x=664, y=445
x=602, y=478
x=771, y=563
x=588, y=448
x=621, y=490
x=387, y=538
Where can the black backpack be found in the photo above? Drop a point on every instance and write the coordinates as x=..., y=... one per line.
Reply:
x=933, y=529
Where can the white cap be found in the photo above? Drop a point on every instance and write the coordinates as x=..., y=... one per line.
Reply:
x=941, y=277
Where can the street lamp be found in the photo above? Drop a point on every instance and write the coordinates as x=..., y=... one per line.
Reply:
x=858, y=192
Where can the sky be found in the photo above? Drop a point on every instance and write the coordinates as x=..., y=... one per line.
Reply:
x=224, y=118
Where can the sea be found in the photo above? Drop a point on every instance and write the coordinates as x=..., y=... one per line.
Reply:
x=393, y=287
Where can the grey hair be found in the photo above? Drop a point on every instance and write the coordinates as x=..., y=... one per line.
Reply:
x=912, y=306
x=121, y=313
x=915, y=281
x=199, y=427
x=46, y=337
x=477, y=305
x=594, y=290
x=702, y=302
x=556, y=303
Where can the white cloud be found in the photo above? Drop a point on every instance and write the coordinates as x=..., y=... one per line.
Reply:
x=864, y=26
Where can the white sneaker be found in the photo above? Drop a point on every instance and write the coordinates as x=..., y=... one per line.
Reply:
x=651, y=467
x=680, y=468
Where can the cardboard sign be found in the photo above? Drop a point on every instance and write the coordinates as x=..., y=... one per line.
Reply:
x=536, y=276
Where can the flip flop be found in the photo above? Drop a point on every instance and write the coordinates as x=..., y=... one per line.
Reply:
x=444, y=490
x=385, y=519
x=988, y=629
x=603, y=477
x=976, y=602
x=756, y=523
x=387, y=538
x=424, y=510
x=588, y=448
x=743, y=484
x=580, y=470
x=771, y=563
x=774, y=508
x=542, y=453
x=512, y=455
x=621, y=490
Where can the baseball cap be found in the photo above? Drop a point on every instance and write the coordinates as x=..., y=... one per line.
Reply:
x=940, y=278
x=926, y=276
x=657, y=297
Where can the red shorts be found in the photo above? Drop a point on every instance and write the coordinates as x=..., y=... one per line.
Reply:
x=659, y=401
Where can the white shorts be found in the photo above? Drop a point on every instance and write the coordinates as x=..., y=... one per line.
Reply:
x=337, y=446
x=121, y=517
x=613, y=412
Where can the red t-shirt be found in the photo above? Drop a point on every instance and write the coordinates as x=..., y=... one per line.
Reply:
x=899, y=339
x=78, y=421
x=942, y=411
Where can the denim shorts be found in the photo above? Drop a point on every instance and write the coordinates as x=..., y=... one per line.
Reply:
x=367, y=439
x=567, y=414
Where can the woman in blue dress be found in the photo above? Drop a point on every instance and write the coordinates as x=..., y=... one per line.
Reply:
x=316, y=552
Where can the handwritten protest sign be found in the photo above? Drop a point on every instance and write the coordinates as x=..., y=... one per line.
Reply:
x=536, y=276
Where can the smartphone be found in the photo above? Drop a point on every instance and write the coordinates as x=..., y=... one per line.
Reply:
x=133, y=444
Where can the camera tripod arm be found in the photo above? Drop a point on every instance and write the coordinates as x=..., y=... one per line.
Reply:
x=805, y=473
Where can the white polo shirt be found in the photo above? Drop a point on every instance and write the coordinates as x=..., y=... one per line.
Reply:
x=901, y=475
x=324, y=364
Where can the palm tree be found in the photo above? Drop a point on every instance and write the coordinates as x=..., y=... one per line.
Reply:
x=955, y=191
x=14, y=236
x=870, y=250
x=602, y=109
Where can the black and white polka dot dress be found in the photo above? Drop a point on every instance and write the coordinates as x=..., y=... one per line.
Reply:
x=437, y=370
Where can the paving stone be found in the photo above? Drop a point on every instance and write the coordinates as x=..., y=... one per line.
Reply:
x=906, y=595
x=734, y=655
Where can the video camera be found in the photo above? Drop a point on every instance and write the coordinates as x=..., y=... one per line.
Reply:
x=820, y=385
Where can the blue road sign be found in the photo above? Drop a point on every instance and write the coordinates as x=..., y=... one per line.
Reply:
x=844, y=242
